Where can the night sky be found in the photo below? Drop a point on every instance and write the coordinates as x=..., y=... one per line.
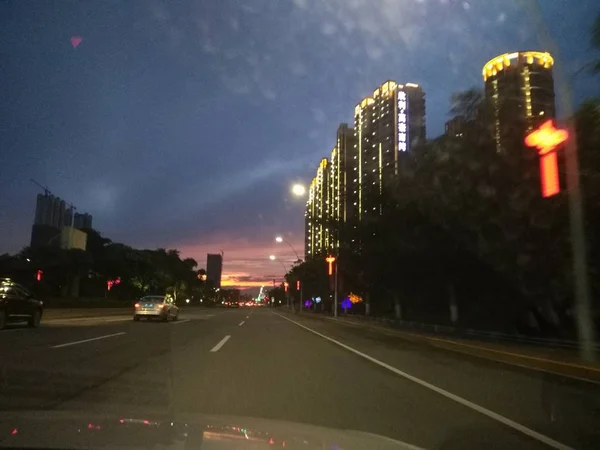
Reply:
x=183, y=124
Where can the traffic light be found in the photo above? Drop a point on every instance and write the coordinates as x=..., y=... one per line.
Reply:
x=38, y=275
x=298, y=285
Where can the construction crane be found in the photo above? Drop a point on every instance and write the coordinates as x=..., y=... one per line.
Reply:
x=45, y=188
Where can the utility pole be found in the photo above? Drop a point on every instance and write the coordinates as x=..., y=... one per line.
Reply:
x=335, y=291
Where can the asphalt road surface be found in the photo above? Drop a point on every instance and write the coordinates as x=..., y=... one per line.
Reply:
x=262, y=363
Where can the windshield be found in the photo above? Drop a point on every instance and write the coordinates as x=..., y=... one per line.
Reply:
x=152, y=300
x=379, y=216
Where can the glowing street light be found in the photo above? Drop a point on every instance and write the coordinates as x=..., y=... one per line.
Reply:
x=280, y=239
x=298, y=190
x=272, y=258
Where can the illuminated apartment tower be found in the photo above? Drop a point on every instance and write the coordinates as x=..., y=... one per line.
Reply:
x=341, y=196
x=318, y=236
x=520, y=88
x=387, y=124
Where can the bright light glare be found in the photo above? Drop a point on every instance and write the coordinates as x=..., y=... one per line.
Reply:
x=187, y=300
x=298, y=190
x=279, y=239
x=272, y=257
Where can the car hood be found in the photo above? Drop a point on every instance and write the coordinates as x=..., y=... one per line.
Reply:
x=84, y=430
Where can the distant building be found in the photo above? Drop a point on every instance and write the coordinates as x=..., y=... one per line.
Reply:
x=455, y=127
x=520, y=89
x=83, y=221
x=51, y=216
x=214, y=268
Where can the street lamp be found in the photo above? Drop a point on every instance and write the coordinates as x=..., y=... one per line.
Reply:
x=287, y=294
x=281, y=239
x=274, y=258
x=298, y=190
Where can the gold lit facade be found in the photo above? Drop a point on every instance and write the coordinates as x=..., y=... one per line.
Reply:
x=520, y=89
x=348, y=185
x=389, y=123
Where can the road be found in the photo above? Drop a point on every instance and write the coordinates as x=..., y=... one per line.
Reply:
x=271, y=364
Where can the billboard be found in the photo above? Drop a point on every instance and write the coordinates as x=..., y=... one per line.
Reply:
x=72, y=238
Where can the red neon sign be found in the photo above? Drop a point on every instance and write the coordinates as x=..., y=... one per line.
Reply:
x=546, y=138
x=330, y=260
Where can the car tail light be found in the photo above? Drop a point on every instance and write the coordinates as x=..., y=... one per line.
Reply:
x=160, y=306
x=137, y=305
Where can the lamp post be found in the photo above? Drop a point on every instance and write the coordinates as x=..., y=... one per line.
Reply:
x=280, y=239
x=331, y=261
x=287, y=294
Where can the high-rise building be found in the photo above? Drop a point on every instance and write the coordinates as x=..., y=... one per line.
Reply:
x=214, y=268
x=317, y=216
x=520, y=88
x=387, y=124
x=348, y=186
x=83, y=220
x=455, y=127
x=51, y=216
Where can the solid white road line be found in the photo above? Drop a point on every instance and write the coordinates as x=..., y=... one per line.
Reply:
x=68, y=344
x=241, y=323
x=181, y=321
x=221, y=343
x=480, y=409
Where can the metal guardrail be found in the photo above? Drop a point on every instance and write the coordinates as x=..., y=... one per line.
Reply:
x=468, y=332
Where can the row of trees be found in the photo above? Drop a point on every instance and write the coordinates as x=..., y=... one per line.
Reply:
x=130, y=272
x=465, y=236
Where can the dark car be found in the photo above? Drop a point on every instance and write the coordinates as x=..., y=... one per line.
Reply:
x=17, y=304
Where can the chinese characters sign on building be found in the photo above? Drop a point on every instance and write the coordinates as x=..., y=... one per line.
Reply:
x=402, y=121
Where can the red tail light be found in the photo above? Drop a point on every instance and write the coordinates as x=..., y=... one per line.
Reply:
x=137, y=305
x=161, y=306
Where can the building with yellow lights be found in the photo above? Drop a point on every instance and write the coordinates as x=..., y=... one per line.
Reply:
x=317, y=236
x=386, y=125
x=520, y=89
x=330, y=202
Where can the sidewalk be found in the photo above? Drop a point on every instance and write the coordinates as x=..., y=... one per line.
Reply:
x=559, y=361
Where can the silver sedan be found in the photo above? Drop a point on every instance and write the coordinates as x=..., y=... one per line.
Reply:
x=156, y=306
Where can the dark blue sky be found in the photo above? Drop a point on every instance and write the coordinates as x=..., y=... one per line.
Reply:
x=182, y=124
